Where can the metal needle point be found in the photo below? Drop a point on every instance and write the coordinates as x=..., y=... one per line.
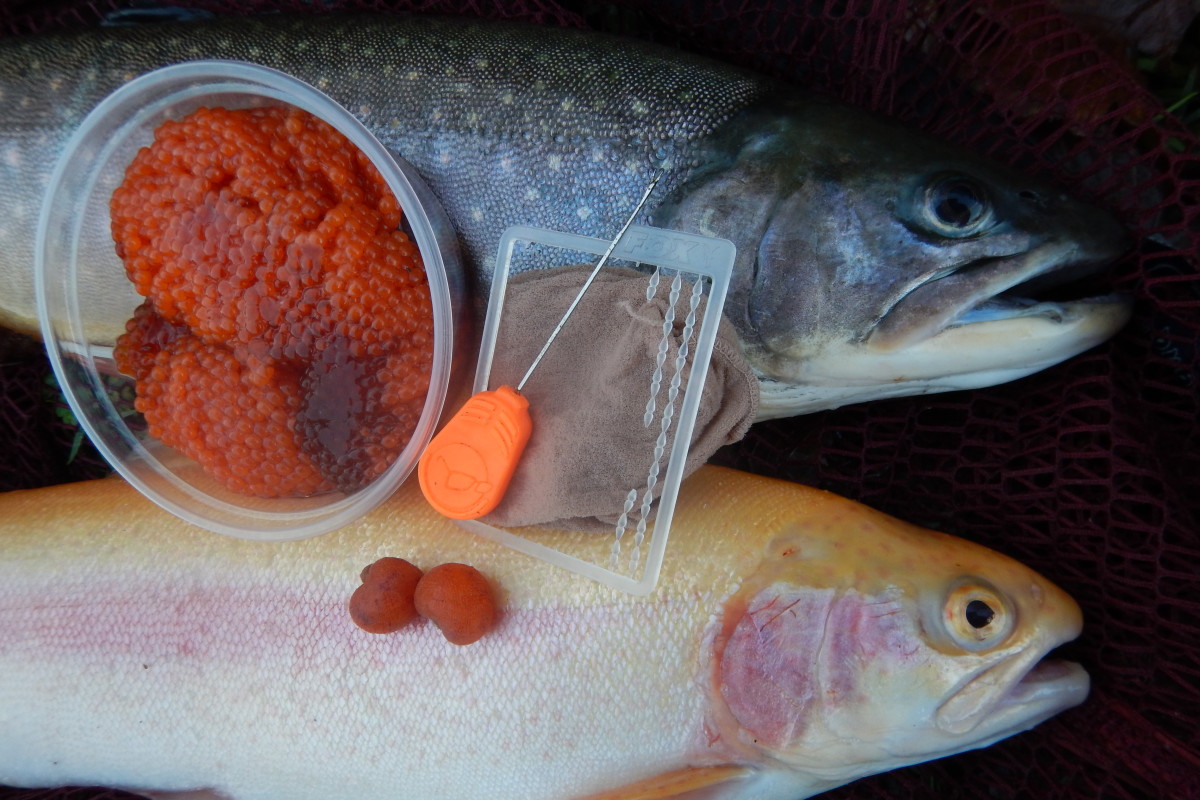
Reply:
x=599, y=264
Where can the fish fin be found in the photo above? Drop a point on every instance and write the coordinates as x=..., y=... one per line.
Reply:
x=194, y=794
x=690, y=783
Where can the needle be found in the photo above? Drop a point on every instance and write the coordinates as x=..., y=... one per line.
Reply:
x=599, y=265
x=467, y=467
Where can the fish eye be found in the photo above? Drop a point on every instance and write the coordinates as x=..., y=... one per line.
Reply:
x=979, y=614
x=976, y=616
x=957, y=206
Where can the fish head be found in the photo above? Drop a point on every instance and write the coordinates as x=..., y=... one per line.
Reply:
x=863, y=644
x=874, y=261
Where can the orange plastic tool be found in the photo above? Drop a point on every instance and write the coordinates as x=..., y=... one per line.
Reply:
x=466, y=469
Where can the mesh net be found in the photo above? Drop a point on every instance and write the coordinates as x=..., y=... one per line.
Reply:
x=1089, y=472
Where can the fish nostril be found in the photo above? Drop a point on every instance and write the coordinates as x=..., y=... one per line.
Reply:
x=1032, y=197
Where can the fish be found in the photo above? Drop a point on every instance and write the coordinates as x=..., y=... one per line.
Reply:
x=872, y=261
x=797, y=641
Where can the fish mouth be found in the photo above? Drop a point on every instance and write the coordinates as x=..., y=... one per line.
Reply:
x=1012, y=697
x=1011, y=295
x=982, y=323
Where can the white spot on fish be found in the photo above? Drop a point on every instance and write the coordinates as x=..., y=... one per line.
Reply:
x=583, y=212
x=640, y=108
x=554, y=162
x=481, y=63
x=507, y=98
x=413, y=74
x=568, y=104
x=477, y=214
x=532, y=195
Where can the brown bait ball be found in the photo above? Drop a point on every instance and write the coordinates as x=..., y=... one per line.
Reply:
x=384, y=602
x=459, y=600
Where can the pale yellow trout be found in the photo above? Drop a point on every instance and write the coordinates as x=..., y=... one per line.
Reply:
x=797, y=641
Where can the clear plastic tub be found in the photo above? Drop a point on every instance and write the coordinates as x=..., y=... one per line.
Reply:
x=84, y=296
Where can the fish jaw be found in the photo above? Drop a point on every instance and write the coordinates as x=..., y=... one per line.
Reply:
x=1012, y=697
x=970, y=355
x=845, y=657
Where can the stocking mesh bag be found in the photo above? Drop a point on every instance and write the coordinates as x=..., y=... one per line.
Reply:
x=1089, y=472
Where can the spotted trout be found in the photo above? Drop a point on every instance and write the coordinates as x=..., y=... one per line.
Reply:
x=796, y=641
x=872, y=261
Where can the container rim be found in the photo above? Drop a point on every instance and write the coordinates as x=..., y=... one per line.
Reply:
x=86, y=154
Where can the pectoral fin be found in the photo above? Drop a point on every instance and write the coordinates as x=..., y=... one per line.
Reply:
x=691, y=783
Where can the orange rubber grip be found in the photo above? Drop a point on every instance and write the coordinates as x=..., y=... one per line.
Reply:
x=466, y=469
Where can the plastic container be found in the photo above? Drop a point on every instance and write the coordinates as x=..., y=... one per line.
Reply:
x=84, y=296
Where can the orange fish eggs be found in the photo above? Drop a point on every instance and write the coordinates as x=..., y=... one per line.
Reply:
x=384, y=601
x=455, y=597
x=277, y=282
x=459, y=600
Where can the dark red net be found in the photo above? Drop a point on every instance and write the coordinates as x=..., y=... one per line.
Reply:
x=1089, y=472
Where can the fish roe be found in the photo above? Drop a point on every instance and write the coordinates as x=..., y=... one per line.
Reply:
x=199, y=399
x=357, y=413
x=269, y=252
x=459, y=599
x=384, y=601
